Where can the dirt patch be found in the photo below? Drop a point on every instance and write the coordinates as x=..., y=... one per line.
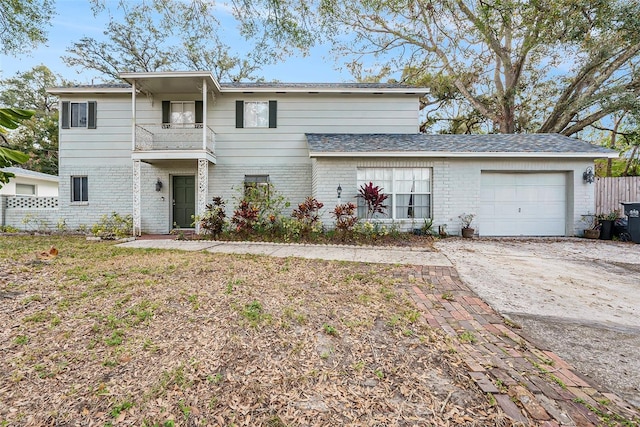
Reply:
x=577, y=297
x=130, y=337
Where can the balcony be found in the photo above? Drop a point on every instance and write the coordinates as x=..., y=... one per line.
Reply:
x=173, y=141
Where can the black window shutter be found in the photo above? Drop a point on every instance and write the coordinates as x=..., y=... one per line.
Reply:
x=273, y=114
x=239, y=114
x=199, y=106
x=66, y=114
x=166, y=111
x=91, y=114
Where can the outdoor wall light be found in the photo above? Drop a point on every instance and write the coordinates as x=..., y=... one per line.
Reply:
x=588, y=175
x=339, y=190
x=158, y=185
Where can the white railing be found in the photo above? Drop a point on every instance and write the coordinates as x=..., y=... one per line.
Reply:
x=188, y=137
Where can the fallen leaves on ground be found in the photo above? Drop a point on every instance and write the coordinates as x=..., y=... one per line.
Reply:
x=102, y=334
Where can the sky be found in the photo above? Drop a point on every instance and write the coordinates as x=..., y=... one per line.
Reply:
x=75, y=19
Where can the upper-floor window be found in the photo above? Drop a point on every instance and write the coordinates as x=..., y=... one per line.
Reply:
x=256, y=114
x=25, y=190
x=78, y=114
x=182, y=114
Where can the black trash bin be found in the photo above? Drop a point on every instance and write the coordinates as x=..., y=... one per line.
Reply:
x=632, y=211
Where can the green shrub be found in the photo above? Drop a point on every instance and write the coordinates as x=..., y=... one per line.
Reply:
x=8, y=229
x=259, y=209
x=115, y=226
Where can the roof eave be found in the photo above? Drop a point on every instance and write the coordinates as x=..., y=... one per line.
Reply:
x=414, y=154
x=85, y=90
x=323, y=90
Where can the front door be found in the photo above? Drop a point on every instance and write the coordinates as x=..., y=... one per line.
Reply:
x=184, y=200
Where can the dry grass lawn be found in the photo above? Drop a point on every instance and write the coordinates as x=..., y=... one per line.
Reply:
x=101, y=335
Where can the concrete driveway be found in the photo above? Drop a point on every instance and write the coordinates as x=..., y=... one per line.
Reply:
x=579, y=298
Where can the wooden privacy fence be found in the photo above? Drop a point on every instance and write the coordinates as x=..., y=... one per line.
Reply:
x=610, y=192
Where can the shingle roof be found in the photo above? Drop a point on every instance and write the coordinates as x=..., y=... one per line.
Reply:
x=311, y=86
x=371, y=144
x=30, y=173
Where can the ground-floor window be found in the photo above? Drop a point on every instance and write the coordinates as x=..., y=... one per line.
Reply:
x=409, y=191
x=25, y=190
x=79, y=189
x=257, y=183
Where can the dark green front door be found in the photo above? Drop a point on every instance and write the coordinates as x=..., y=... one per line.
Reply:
x=184, y=200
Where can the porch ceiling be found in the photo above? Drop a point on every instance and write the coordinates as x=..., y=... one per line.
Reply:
x=172, y=82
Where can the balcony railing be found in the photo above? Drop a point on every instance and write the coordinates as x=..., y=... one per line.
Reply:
x=187, y=137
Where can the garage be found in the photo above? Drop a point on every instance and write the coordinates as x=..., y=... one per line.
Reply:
x=522, y=204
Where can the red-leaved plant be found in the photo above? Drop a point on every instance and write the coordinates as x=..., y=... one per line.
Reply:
x=245, y=216
x=345, y=216
x=308, y=213
x=374, y=199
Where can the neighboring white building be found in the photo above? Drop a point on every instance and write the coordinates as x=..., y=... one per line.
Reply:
x=29, y=183
x=29, y=200
x=162, y=145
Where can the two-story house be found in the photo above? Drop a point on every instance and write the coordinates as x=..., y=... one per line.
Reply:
x=161, y=145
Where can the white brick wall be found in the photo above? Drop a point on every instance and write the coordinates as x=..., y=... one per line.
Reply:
x=109, y=191
x=293, y=181
x=455, y=185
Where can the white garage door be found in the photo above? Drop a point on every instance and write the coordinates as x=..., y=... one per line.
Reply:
x=522, y=204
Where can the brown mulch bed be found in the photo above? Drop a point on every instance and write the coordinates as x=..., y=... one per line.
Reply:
x=103, y=335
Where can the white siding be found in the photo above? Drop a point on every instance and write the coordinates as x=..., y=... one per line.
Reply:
x=104, y=154
x=109, y=143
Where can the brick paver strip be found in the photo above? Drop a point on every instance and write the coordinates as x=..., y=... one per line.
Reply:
x=533, y=386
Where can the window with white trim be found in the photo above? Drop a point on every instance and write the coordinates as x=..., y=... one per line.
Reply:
x=409, y=191
x=258, y=182
x=256, y=114
x=25, y=190
x=79, y=189
x=183, y=112
x=78, y=114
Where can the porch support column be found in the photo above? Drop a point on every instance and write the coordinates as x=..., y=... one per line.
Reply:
x=137, y=219
x=203, y=189
x=204, y=114
x=133, y=115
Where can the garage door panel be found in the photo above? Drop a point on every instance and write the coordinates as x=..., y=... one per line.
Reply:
x=504, y=194
x=519, y=204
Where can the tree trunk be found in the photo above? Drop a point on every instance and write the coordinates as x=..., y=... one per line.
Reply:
x=630, y=161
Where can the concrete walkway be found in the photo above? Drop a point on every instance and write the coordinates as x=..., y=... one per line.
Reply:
x=377, y=255
x=532, y=384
